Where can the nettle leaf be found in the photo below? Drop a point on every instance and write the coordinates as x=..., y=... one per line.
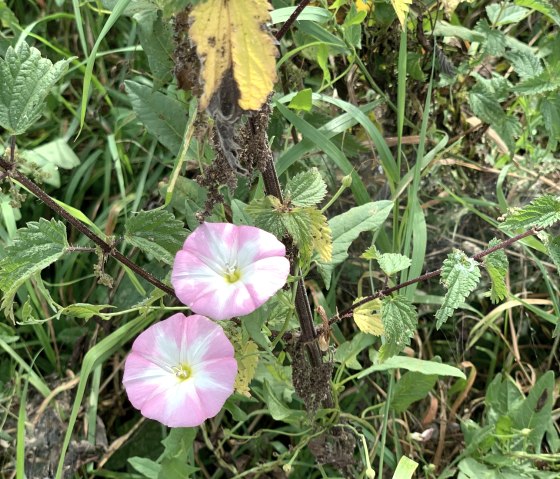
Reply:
x=306, y=189
x=546, y=81
x=157, y=233
x=347, y=227
x=553, y=248
x=399, y=319
x=460, y=275
x=392, y=263
x=156, y=38
x=550, y=109
x=233, y=43
x=401, y=9
x=541, y=213
x=35, y=247
x=525, y=64
x=496, y=264
x=495, y=40
x=247, y=356
x=162, y=115
x=368, y=318
x=371, y=253
x=26, y=80
x=266, y=213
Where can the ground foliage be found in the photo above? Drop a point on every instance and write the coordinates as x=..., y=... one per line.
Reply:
x=407, y=136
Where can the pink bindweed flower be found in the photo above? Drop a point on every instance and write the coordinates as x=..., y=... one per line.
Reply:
x=226, y=270
x=180, y=371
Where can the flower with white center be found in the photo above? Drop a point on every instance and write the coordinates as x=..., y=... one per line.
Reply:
x=180, y=371
x=224, y=270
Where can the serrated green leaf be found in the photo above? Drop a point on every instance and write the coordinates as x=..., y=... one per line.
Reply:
x=550, y=110
x=546, y=81
x=553, y=249
x=399, y=319
x=156, y=39
x=525, y=64
x=496, y=264
x=157, y=233
x=541, y=213
x=26, y=80
x=306, y=189
x=460, y=275
x=266, y=213
x=368, y=318
x=345, y=228
x=392, y=263
x=247, y=356
x=371, y=253
x=37, y=246
x=162, y=115
x=495, y=40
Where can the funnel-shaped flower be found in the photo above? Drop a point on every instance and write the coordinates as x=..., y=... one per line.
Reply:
x=180, y=371
x=226, y=270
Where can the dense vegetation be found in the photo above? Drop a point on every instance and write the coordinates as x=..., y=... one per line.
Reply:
x=404, y=154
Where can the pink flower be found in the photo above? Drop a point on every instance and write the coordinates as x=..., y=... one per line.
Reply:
x=226, y=270
x=180, y=371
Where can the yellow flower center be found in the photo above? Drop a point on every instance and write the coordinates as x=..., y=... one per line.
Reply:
x=183, y=372
x=232, y=273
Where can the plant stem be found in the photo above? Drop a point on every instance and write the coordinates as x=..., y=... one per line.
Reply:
x=11, y=172
x=292, y=19
x=432, y=274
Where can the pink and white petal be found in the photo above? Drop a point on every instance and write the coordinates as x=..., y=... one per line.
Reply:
x=264, y=277
x=214, y=241
x=214, y=382
x=256, y=244
x=206, y=342
x=223, y=302
x=144, y=379
x=178, y=406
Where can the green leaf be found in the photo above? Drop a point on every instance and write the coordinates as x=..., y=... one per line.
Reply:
x=306, y=189
x=26, y=80
x=302, y=100
x=496, y=264
x=156, y=39
x=414, y=364
x=405, y=468
x=367, y=317
x=311, y=232
x=545, y=7
x=371, y=253
x=164, y=116
x=278, y=410
x=36, y=247
x=50, y=157
x=535, y=412
x=411, y=387
x=541, y=213
x=525, y=64
x=495, y=41
x=266, y=213
x=145, y=466
x=553, y=249
x=347, y=352
x=345, y=228
x=399, y=319
x=547, y=81
x=85, y=310
x=392, y=263
x=460, y=275
x=550, y=109
x=157, y=233
x=505, y=14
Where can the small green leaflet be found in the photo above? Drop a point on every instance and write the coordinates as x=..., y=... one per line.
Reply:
x=157, y=233
x=85, y=310
x=371, y=253
x=306, y=189
x=496, y=264
x=399, y=319
x=302, y=100
x=35, y=247
x=392, y=263
x=460, y=275
x=540, y=213
x=26, y=80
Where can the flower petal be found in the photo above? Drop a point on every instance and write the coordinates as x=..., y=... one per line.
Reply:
x=150, y=373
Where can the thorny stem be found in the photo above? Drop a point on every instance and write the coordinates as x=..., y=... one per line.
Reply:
x=11, y=172
x=291, y=19
x=432, y=274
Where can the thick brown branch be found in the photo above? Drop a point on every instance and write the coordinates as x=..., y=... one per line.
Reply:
x=10, y=169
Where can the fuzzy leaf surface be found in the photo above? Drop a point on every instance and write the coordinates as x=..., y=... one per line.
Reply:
x=392, y=263
x=157, y=233
x=246, y=354
x=230, y=37
x=460, y=275
x=541, y=213
x=37, y=246
x=307, y=188
x=399, y=319
x=553, y=248
x=26, y=80
x=496, y=264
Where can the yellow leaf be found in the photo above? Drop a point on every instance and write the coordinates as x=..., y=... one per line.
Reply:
x=321, y=232
x=364, y=5
x=401, y=9
x=237, y=52
x=368, y=318
x=247, y=359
